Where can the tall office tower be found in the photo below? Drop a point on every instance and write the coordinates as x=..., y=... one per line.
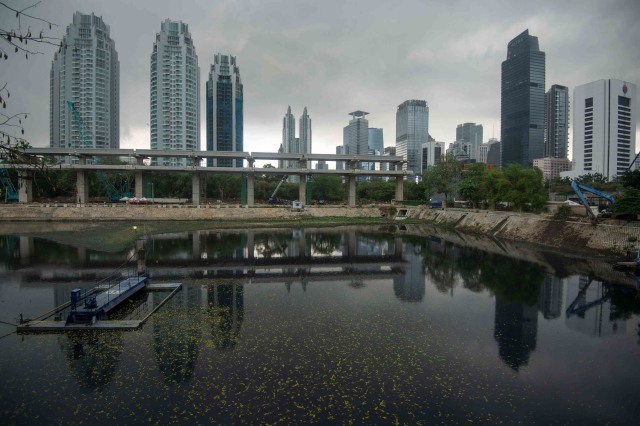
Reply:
x=432, y=152
x=288, y=138
x=224, y=110
x=471, y=133
x=376, y=140
x=604, y=127
x=556, y=122
x=175, y=92
x=305, y=132
x=494, y=152
x=356, y=134
x=522, y=102
x=85, y=87
x=412, y=130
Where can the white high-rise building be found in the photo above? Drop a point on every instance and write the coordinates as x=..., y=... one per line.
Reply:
x=85, y=87
x=432, y=153
x=604, y=127
x=412, y=130
x=305, y=132
x=175, y=92
x=292, y=144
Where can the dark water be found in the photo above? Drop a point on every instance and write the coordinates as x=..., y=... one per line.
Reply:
x=322, y=326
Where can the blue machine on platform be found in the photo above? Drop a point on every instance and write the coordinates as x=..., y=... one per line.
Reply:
x=579, y=187
x=96, y=306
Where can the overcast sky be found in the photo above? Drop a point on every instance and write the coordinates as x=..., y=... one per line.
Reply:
x=335, y=57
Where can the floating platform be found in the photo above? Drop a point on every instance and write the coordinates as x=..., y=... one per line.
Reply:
x=44, y=325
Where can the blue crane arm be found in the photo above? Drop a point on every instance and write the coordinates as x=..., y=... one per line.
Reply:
x=587, y=188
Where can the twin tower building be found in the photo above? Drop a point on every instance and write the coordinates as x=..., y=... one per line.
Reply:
x=85, y=93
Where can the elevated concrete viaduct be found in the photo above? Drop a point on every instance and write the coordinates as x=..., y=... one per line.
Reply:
x=83, y=161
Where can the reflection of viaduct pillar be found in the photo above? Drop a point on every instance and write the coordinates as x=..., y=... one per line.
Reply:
x=195, y=244
x=302, y=244
x=250, y=190
x=398, y=247
x=302, y=189
x=352, y=244
x=25, y=183
x=195, y=189
x=82, y=255
x=399, y=188
x=352, y=190
x=250, y=244
x=26, y=249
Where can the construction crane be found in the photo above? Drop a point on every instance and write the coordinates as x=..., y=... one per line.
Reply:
x=9, y=192
x=273, y=199
x=579, y=187
x=113, y=193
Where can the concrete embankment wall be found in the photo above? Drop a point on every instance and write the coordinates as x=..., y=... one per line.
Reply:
x=121, y=212
x=539, y=229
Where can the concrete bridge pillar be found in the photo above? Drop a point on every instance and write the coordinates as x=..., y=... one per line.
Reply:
x=25, y=185
x=195, y=189
x=82, y=187
x=139, y=191
x=139, y=180
x=250, y=190
x=352, y=190
x=399, y=188
x=302, y=189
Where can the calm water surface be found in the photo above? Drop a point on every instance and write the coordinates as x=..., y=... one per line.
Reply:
x=301, y=326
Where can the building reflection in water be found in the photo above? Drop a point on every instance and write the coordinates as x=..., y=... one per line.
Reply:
x=177, y=333
x=410, y=285
x=226, y=313
x=93, y=356
x=550, y=302
x=515, y=331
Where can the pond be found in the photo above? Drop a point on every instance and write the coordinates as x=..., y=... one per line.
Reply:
x=344, y=325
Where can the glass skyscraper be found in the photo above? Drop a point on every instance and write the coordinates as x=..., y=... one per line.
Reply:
x=412, y=131
x=522, y=102
x=224, y=110
x=175, y=92
x=556, y=122
x=470, y=133
x=85, y=77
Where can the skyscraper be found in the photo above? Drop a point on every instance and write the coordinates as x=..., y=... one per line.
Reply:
x=288, y=137
x=412, y=130
x=292, y=144
x=175, y=92
x=556, y=122
x=224, y=109
x=305, y=132
x=356, y=134
x=470, y=133
x=376, y=140
x=85, y=77
x=522, y=101
x=604, y=127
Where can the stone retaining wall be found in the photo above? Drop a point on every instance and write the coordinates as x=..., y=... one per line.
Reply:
x=567, y=235
x=118, y=212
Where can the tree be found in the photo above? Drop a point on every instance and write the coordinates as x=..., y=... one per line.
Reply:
x=15, y=41
x=443, y=177
x=493, y=187
x=470, y=187
x=524, y=188
x=630, y=179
